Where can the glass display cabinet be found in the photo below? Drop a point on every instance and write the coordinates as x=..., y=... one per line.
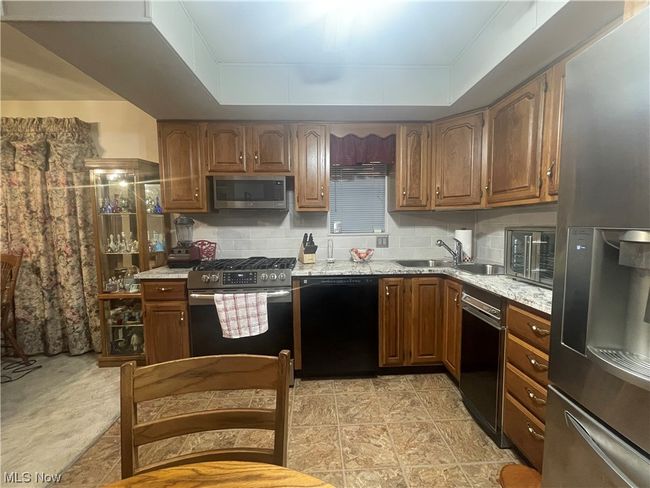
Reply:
x=131, y=235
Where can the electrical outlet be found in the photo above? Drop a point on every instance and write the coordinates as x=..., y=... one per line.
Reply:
x=382, y=241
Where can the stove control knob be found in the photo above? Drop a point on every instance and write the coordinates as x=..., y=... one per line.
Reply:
x=282, y=276
x=264, y=277
x=205, y=278
x=273, y=276
x=214, y=278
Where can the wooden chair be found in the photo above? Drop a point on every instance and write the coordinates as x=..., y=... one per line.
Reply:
x=519, y=476
x=10, y=266
x=207, y=373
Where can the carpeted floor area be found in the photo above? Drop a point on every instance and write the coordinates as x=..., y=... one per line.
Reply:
x=55, y=413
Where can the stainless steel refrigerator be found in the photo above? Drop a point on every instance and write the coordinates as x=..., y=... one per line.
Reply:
x=598, y=413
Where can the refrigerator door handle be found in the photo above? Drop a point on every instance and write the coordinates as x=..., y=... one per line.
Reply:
x=591, y=442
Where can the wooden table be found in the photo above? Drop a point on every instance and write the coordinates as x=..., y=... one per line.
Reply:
x=223, y=474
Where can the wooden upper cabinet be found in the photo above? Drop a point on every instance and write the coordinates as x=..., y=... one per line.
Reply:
x=458, y=157
x=412, y=171
x=225, y=148
x=166, y=331
x=391, y=322
x=268, y=146
x=425, y=329
x=181, y=167
x=553, y=115
x=312, y=167
x=515, y=145
x=451, y=327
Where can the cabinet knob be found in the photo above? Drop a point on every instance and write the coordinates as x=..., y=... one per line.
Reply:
x=549, y=172
x=437, y=191
x=196, y=192
x=256, y=156
x=182, y=316
x=241, y=156
x=404, y=192
x=456, y=299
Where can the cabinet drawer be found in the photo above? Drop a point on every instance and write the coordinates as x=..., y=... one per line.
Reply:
x=529, y=360
x=529, y=393
x=524, y=430
x=163, y=290
x=530, y=327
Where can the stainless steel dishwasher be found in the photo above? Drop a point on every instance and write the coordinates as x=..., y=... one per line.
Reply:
x=339, y=326
x=481, y=360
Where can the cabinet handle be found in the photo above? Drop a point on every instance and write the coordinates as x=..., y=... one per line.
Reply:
x=322, y=191
x=549, y=172
x=534, y=434
x=538, y=331
x=437, y=191
x=487, y=186
x=182, y=316
x=241, y=156
x=456, y=299
x=387, y=292
x=536, y=364
x=256, y=156
x=162, y=288
x=196, y=192
x=404, y=192
x=535, y=398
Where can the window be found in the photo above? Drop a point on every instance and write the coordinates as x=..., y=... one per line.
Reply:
x=357, y=198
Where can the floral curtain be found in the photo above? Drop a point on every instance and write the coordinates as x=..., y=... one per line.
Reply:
x=45, y=211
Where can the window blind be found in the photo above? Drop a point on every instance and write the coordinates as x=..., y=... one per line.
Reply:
x=358, y=198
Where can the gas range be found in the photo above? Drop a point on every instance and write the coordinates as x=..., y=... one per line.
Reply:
x=254, y=272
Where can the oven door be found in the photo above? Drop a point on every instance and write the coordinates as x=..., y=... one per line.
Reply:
x=206, y=337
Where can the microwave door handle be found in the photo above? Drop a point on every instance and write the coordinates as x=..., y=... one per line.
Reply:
x=527, y=252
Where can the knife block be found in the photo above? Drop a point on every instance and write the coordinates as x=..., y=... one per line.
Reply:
x=306, y=258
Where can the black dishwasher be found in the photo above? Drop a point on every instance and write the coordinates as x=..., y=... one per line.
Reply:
x=339, y=326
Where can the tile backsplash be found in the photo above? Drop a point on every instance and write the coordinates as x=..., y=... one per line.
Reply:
x=489, y=230
x=412, y=235
x=244, y=233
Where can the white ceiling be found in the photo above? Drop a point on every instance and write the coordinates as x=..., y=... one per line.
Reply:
x=336, y=32
x=31, y=72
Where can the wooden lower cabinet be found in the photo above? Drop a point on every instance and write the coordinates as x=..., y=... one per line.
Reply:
x=526, y=378
x=451, y=328
x=166, y=324
x=410, y=318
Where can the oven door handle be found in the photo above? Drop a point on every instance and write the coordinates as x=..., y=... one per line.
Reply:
x=208, y=298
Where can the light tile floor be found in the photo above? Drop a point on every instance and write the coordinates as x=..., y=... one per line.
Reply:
x=408, y=431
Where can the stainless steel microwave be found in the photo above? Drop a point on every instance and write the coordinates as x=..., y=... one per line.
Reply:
x=249, y=192
x=530, y=254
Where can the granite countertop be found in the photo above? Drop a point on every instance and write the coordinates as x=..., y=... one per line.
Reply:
x=533, y=296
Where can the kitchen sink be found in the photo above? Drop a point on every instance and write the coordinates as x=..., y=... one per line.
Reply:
x=481, y=269
x=424, y=263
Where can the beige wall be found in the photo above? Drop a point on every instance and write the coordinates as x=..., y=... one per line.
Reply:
x=120, y=129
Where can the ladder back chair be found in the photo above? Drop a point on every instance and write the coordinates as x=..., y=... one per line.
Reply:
x=9, y=268
x=201, y=374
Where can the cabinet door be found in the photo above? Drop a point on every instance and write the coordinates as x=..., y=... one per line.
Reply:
x=269, y=145
x=425, y=325
x=225, y=148
x=183, y=182
x=391, y=322
x=458, y=156
x=452, y=327
x=515, y=145
x=312, y=178
x=553, y=114
x=412, y=178
x=166, y=331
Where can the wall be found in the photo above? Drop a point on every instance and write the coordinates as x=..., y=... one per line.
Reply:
x=120, y=129
x=275, y=233
x=489, y=233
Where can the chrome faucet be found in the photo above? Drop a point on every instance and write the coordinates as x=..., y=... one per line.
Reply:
x=457, y=253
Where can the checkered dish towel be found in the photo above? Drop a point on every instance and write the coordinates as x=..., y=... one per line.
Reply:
x=242, y=314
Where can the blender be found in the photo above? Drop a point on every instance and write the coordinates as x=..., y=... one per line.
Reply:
x=185, y=254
